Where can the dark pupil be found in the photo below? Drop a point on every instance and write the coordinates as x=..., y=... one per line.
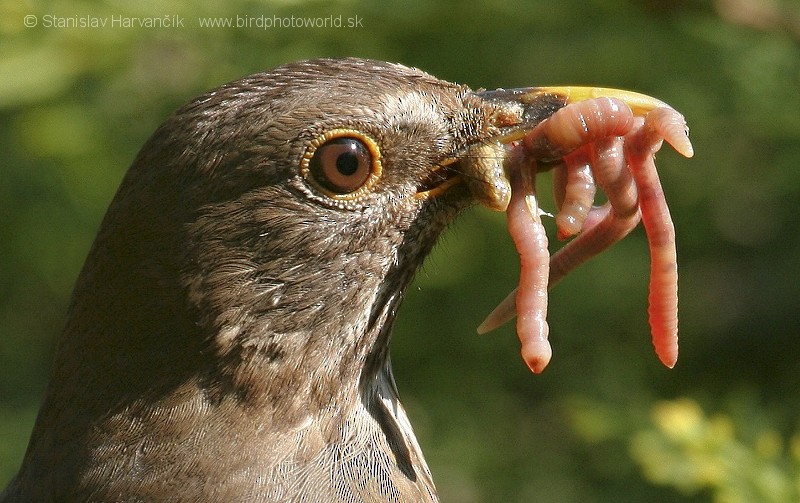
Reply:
x=341, y=165
x=347, y=162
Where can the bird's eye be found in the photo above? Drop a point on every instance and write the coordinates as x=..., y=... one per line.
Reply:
x=343, y=164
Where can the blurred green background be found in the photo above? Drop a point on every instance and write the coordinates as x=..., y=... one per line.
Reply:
x=605, y=422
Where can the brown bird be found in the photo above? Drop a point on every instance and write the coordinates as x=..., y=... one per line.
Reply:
x=227, y=339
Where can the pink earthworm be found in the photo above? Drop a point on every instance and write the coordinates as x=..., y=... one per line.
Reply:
x=640, y=146
x=609, y=223
x=530, y=238
x=577, y=125
x=577, y=192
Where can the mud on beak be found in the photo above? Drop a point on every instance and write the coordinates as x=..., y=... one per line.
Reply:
x=484, y=166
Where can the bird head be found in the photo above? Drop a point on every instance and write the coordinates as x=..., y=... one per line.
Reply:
x=264, y=235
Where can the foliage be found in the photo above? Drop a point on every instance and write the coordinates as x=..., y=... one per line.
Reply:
x=605, y=422
x=738, y=463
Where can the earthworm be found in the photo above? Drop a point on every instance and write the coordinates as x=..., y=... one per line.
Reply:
x=669, y=125
x=577, y=125
x=578, y=192
x=530, y=238
x=608, y=223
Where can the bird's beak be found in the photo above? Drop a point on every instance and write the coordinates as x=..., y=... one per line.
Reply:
x=482, y=165
x=531, y=105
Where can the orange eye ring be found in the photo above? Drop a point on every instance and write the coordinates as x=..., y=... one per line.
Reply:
x=343, y=164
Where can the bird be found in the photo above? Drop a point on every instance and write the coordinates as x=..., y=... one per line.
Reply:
x=228, y=336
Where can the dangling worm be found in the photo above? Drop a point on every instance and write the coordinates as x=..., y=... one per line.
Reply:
x=660, y=124
x=530, y=238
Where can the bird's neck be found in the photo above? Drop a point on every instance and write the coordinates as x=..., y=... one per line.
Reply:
x=317, y=357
